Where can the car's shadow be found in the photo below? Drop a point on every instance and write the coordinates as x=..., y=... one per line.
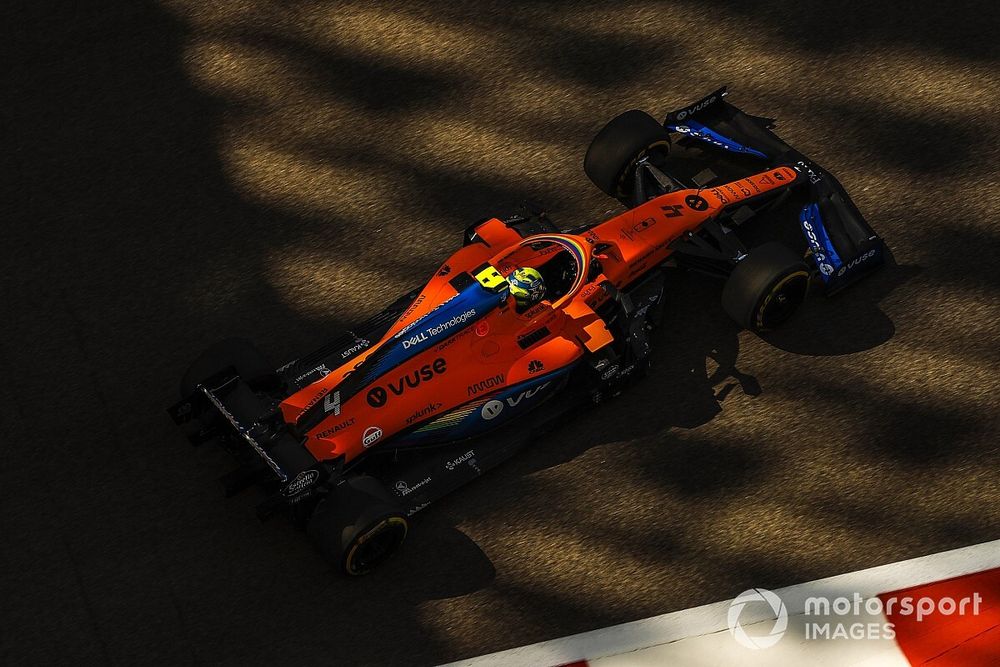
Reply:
x=696, y=367
x=848, y=322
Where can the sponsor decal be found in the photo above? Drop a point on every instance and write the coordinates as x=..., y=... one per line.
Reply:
x=371, y=436
x=332, y=403
x=533, y=311
x=718, y=193
x=491, y=409
x=359, y=344
x=468, y=456
x=302, y=481
x=512, y=401
x=778, y=175
x=423, y=412
x=704, y=133
x=813, y=240
x=813, y=176
x=484, y=385
x=378, y=396
x=316, y=399
x=445, y=270
x=547, y=250
x=681, y=115
x=766, y=180
x=405, y=489
x=856, y=262
x=704, y=136
x=610, y=373
x=819, y=243
x=447, y=342
x=696, y=202
x=644, y=224
x=535, y=366
x=334, y=429
x=419, y=338
x=672, y=211
x=409, y=311
x=482, y=328
x=431, y=332
x=321, y=369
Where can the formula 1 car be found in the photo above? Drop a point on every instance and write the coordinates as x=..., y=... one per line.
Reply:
x=452, y=378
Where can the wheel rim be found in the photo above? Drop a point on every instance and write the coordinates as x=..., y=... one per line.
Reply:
x=783, y=300
x=660, y=148
x=376, y=545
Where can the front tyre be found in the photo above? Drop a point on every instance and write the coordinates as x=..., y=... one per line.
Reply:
x=766, y=287
x=612, y=156
x=358, y=526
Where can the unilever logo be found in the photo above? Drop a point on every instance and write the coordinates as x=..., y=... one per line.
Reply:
x=780, y=618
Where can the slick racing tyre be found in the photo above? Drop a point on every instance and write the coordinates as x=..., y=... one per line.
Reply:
x=358, y=526
x=237, y=353
x=766, y=287
x=618, y=146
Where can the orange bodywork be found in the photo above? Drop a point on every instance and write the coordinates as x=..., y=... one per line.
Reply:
x=505, y=347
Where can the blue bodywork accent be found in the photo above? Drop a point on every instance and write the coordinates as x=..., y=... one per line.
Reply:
x=488, y=412
x=471, y=304
x=824, y=254
x=693, y=128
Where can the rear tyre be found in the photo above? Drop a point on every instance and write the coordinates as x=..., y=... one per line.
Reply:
x=766, y=287
x=358, y=526
x=236, y=353
x=613, y=153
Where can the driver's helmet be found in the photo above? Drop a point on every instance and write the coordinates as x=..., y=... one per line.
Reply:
x=527, y=286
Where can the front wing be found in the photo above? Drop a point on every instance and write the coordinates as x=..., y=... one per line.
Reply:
x=840, y=242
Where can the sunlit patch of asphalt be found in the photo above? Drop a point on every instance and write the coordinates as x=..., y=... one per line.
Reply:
x=311, y=281
x=892, y=78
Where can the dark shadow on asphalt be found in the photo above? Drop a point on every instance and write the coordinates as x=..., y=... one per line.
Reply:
x=847, y=322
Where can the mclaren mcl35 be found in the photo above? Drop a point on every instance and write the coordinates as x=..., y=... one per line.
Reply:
x=449, y=380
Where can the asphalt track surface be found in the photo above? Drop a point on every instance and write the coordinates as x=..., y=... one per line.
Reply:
x=181, y=171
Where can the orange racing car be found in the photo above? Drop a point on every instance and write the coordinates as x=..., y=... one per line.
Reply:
x=451, y=379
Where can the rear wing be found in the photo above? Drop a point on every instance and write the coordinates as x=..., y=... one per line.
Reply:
x=842, y=245
x=269, y=454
